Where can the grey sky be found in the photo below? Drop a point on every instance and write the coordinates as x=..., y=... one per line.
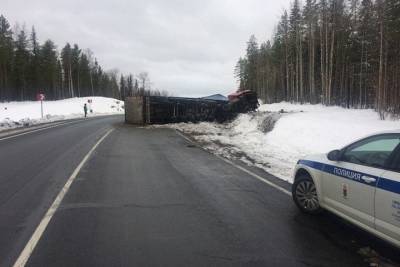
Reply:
x=188, y=47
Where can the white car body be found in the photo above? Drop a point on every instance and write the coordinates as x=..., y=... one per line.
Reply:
x=367, y=196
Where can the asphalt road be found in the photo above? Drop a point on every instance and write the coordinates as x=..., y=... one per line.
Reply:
x=148, y=197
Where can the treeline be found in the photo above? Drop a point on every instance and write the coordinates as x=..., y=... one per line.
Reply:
x=139, y=86
x=28, y=68
x=333, y=52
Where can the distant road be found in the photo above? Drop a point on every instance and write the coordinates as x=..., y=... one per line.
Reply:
x=148, y=197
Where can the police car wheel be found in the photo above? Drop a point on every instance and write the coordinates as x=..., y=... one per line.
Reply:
x=305, y=195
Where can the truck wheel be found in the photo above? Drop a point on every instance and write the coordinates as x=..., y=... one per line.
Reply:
x=305, y=196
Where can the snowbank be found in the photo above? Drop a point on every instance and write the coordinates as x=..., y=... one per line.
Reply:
x=300, y=130
x=17, y=114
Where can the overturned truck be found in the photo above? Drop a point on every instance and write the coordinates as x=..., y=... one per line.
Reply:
x=160, y=110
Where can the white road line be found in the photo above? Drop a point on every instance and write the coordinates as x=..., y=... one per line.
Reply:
x=30, y=246
x=37, y=130
x=283, y=190
x=258, y=177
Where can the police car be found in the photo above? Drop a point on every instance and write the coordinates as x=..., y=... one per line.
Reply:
x=360, y=183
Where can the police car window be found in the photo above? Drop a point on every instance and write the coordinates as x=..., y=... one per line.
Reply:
x=395, y=164
x=374, y=151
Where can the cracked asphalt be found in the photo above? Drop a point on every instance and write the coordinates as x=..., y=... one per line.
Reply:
x=147, y=197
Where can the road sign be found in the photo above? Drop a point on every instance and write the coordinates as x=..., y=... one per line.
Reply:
x=40, y=97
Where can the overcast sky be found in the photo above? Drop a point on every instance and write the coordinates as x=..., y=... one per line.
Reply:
x=189, y=47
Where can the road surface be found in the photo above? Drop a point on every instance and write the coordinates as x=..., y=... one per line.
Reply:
x=149, y=197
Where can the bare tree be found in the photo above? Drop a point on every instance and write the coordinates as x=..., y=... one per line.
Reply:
x=144, y=81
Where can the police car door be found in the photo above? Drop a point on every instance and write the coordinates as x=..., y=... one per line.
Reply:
x=387, y=200
x=349, y=184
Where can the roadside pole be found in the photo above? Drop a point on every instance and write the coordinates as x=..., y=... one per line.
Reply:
x=40, y=97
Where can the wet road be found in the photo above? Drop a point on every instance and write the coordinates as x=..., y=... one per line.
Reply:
x=148, y=197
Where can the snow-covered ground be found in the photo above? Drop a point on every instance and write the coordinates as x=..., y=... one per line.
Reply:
x=18, y=114
x=300, y=130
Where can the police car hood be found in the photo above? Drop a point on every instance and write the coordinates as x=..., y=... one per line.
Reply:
x=316, y=157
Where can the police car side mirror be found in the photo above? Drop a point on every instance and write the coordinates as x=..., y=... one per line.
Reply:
x=334, y=155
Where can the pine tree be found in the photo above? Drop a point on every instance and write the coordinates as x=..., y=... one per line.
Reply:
x=251, y=66
x=130, y=85
x=21, y=65
x=366, y=43
x=6, y=58
x=34, y=76
x=285, y=43
x=66, y=56
x=310, y=18
x=136, y=88
x=122, y=87
x=240, y=73
x=84, y=75
x=75, y=56
x=60, y=82
x=48, y=70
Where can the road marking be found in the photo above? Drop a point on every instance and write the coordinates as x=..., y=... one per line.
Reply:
x=37, y=130
x=30, y=246
x=283, y=190
x=258, y=177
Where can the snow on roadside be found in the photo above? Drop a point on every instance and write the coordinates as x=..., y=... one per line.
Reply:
x=26, y=113
x=300, y=130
